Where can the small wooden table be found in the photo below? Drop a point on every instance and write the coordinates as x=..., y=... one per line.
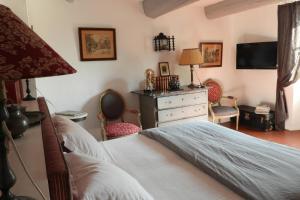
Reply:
x=75, y=116
x=261, y=122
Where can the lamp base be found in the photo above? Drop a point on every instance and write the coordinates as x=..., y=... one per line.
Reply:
x=29, y=98
x=28, y=91
x=194, y=86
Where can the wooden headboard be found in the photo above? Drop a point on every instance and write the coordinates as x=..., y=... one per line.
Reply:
x=57, y=169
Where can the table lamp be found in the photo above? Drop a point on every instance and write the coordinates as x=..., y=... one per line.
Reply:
x=28, y=96
x=23, y=55
x=191, y=57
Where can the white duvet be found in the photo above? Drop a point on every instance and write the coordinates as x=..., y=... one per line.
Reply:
x=162, y=173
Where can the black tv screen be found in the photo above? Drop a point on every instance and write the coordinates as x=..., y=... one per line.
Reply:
x=262, y=55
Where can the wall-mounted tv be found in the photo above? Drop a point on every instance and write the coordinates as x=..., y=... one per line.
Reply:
x=261, y=55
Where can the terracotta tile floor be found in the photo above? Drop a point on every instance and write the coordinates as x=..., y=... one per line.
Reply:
x=290, y=138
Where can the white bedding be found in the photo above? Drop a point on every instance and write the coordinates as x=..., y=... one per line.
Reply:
x=162, y=173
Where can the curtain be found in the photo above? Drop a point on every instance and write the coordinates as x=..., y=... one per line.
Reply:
x=288, y=56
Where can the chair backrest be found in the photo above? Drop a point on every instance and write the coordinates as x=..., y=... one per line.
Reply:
x=214, y=91
x=112, y=105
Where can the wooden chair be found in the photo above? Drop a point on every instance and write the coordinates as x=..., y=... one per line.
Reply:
x=215, y=98
x=112, y=108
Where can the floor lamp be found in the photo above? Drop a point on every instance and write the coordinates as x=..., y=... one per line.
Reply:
x=23, y=55
x=191, y=57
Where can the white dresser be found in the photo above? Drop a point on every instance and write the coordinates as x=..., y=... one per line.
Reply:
x=165, y=108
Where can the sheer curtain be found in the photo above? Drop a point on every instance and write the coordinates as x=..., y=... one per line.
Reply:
x=288, y=56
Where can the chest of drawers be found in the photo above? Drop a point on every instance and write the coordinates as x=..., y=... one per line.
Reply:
x=161, y=109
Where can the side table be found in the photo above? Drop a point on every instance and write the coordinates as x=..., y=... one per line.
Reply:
x=260, y=122
x=75, y=116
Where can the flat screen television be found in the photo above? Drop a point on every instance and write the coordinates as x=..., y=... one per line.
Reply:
x=261, y=55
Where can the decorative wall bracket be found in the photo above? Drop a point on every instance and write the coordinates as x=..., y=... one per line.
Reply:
x=163, y=42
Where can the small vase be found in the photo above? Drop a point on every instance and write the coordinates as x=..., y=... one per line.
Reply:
x=174, y=84
x=17, y=123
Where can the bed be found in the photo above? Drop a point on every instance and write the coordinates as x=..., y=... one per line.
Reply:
x=171, y=176
x=163, y=173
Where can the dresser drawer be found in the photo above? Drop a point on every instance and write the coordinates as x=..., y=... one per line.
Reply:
x=182, y=100
x=181, y=113
x=192, y=119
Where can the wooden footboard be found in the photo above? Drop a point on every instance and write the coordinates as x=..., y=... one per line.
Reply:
x=57, y=169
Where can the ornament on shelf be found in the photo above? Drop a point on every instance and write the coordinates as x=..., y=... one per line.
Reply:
x=163, y=82
x=163, y=42
x=17, y=122
x=174, y=83
x=150, y=80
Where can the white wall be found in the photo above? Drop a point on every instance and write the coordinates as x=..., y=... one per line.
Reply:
x=257, y=25
x=259, y=86
x=57, y=22
x=293, y=103
x=18, y=7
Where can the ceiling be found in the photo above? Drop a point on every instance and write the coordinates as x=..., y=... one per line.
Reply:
x=213, y=8
x=203, y=3
x=200, y=3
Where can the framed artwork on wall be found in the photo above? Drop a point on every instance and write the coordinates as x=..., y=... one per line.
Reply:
x=212, y=54
x=164, y=68
x=97, y=44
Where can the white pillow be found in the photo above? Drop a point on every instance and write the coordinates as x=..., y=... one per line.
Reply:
x=77, y=139
x=100, y=180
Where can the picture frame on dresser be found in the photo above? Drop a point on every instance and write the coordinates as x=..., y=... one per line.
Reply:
x=97, y=44
x=164, y=68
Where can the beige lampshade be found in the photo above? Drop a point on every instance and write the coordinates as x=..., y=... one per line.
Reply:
x=191, y=57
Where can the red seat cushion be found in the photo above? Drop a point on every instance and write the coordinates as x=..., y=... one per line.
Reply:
x=121, y=129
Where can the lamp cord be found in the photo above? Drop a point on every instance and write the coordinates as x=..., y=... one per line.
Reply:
x=24, y=166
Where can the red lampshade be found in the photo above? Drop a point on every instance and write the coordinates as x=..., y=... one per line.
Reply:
x=23, y=54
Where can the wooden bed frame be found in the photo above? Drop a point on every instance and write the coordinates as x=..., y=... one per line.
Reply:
x=56, y=166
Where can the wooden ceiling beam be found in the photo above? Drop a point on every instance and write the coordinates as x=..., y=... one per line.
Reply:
x=228, y=7
x=156, y=8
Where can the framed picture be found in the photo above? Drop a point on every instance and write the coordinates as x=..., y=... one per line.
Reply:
x=164, y=69
x=212, y=54
x=97, y=44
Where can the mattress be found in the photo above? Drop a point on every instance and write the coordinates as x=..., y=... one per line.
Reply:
x=165, y=175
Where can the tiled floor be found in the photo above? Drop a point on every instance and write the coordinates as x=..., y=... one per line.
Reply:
x=290, y=138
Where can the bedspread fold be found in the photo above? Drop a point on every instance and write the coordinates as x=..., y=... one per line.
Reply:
x=254, y=168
